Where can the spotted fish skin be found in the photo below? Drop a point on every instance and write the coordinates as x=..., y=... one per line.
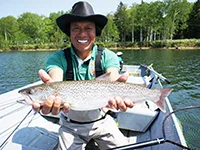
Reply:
x=94, y=94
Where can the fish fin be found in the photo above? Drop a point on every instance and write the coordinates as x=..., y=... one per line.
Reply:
x=104, y=77
x=161, y=102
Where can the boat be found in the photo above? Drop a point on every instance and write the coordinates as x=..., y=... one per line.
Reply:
x=23, y=129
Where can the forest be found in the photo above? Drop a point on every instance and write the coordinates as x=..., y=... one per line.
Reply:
x=158, y=24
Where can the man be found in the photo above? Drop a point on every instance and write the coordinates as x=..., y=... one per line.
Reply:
x=78, y=127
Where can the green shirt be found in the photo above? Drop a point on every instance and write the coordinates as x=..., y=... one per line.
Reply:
x=82, y=71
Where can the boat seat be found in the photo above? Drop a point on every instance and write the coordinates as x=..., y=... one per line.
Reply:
x=137, y=118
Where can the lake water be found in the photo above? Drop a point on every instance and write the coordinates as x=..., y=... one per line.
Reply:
x=181, y=67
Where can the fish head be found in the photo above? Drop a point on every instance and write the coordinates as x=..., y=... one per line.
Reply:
x=36, y=93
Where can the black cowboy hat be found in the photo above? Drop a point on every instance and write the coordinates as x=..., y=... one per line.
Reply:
x=81, y=11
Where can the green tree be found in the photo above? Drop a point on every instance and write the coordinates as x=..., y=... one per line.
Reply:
x=193, y=30
x=160, y=24
x=154, y=18
x=8, y=28
x=32, y=26
x=3, y=43
x=141, y=19
x=177, y=12
x=110, y=32
x=132, y=18
x=55, y=34
x=47, y=29
x=121, y=20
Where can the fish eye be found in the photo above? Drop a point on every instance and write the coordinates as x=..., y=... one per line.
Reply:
x=30, y=91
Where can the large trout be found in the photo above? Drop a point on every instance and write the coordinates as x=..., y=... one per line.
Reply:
x=94, y=94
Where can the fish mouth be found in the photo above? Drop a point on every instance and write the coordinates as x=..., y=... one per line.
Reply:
x=29, y=97
x=26, y=97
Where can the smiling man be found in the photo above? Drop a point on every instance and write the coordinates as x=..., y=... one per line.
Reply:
x=83, y=60
x=83, y=36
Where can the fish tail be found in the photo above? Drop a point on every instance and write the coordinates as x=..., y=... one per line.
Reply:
x=163, y=94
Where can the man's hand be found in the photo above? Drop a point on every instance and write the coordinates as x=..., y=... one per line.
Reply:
x=53, y=104
x=118, y=102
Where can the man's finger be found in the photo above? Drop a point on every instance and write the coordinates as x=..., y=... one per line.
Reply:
x=44, y=76
x=56, y=105
x=36, y=107
x=66, y=108
x=120, y=104
x=112, y=103
x=46, y=109
x=128, y=103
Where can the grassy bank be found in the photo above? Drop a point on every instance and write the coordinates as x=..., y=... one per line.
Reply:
x=164, y=44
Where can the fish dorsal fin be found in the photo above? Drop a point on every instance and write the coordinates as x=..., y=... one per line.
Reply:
x=104, y=77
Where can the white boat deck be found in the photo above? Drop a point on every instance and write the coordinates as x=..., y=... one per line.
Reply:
x=34, y=130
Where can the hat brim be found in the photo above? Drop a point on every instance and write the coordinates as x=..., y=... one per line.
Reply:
x=64, y=21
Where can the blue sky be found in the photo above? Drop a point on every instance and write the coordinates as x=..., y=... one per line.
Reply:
x=45, y=7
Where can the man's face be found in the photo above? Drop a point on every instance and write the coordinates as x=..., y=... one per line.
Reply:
x=83, y=35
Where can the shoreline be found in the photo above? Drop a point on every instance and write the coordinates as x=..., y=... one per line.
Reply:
x=150, y=48
x=113, y=48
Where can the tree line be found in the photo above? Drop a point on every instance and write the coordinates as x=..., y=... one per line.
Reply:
x=145, y=24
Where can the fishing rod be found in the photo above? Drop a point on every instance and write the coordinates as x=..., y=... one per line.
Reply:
x=158, y=74
x=158, y=140
x=140, y=144
x=149, y=143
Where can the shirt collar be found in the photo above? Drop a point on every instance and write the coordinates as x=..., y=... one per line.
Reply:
x=92, y=55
